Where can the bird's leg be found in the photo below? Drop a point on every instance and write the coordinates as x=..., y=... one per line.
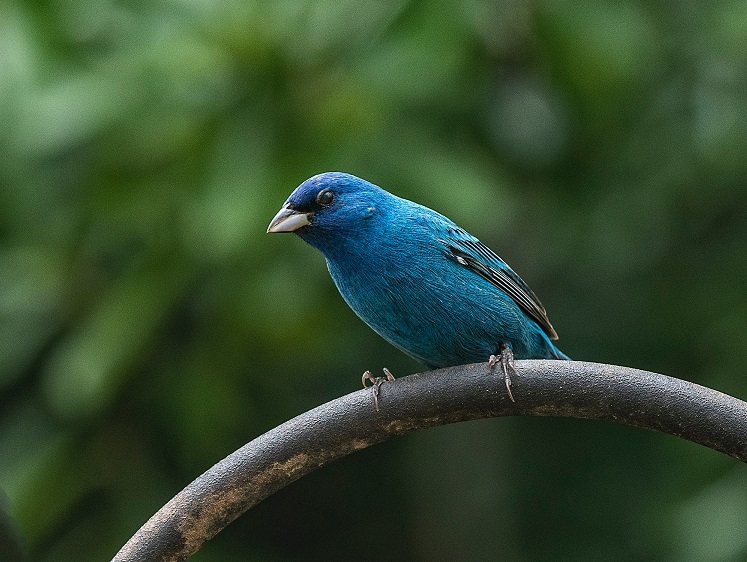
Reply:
x=376, y=383
x=505, y=357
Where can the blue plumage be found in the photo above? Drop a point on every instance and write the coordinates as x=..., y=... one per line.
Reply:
x=424, y=284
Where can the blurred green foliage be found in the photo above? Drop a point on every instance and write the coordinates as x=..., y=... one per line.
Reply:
x=148, y=326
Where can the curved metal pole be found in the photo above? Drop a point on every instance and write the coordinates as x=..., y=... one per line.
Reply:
x=349, y=423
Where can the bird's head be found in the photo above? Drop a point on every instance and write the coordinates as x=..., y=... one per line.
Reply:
x=329, y=208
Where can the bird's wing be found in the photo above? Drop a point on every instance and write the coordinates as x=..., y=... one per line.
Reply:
x=468, y=251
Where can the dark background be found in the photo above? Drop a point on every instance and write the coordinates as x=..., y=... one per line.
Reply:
x=149, y=326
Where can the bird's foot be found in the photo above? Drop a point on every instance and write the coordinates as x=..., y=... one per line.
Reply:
x=506, y=358
x=376, y=383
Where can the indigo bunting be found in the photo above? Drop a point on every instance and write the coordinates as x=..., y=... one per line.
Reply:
x=420, y=281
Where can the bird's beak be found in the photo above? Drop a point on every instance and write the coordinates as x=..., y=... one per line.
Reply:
x=288, y=220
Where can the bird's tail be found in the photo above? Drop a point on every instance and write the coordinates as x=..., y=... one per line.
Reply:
x=557, y=354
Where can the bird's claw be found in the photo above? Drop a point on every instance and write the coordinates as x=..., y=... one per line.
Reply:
x=506, y=358
x=376, y=383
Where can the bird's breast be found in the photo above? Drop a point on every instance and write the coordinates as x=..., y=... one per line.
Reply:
x=421, y=306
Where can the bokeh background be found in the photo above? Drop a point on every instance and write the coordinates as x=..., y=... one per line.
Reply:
x=149, y=326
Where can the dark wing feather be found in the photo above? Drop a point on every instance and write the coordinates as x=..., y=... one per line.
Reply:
x=476, y=256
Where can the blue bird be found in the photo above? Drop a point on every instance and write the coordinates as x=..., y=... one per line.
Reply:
x=420, y=281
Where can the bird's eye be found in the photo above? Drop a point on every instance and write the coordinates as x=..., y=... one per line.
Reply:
x=325, y=197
